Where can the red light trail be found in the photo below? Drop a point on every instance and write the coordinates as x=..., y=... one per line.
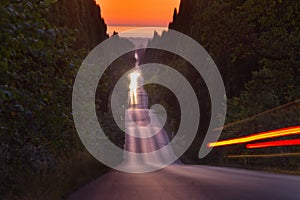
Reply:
x=259, y=136
x=274, y=144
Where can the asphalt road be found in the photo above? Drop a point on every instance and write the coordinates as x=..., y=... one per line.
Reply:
x=178, y=181
x=191, y=182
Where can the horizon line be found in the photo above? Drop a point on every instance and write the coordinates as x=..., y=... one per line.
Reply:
x=137, y=25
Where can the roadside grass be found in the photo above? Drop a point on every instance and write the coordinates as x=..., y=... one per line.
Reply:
x=70, y=174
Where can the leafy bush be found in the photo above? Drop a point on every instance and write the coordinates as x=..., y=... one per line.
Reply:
x=37, y=69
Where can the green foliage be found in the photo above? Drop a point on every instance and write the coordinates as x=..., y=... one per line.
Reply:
x=276, y=81
x=37, y=71
x=114, y=133
x=260, y=38
x=256, y=46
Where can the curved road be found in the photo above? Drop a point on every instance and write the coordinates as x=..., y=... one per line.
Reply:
x=191, y=182
x=178, y=181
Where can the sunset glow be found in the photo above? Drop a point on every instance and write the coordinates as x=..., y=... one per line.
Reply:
x=138, y=12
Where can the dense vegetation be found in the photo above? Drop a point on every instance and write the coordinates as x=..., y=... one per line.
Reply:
x=39, y=144
x=255, y=43
x=82, y=15
x=256, y=46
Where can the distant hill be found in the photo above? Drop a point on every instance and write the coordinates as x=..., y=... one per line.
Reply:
x=139, y=42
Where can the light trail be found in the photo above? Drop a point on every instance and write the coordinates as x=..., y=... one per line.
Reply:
x=274, y=144
x=259, y=136
x=133, y=86
x=133, y=80
x=263, y=155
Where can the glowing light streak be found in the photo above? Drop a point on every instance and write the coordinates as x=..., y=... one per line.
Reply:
x=259, y=136
x=274, y=144
x=133, y=86
x=263, y=155
x=133, y=80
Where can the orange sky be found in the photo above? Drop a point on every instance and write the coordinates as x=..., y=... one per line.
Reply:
x=138, y=12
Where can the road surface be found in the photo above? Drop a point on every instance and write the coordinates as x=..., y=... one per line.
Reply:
x=191, y=182
x=179, y=181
